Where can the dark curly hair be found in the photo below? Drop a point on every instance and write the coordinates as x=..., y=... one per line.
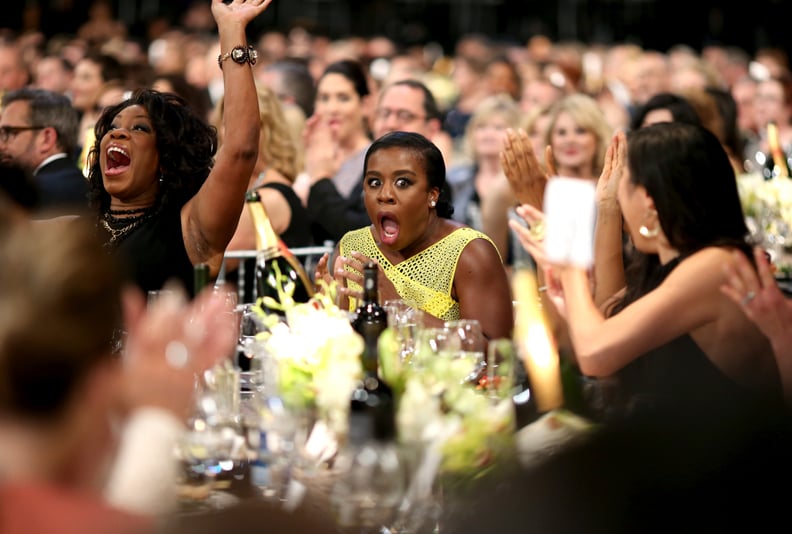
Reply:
x=186, y=144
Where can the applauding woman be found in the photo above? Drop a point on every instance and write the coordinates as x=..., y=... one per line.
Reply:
x=672, y=339
x=164, y=202
x=441, y=266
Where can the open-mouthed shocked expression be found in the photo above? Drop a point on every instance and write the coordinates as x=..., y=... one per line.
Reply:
x=398, y=197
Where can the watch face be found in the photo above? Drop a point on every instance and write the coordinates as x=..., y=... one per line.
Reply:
x=238, y=55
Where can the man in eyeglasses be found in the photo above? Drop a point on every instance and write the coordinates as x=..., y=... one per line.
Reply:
x=405, y=105
x=38, y=132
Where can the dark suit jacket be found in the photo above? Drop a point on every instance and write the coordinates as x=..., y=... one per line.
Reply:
x=62, y=189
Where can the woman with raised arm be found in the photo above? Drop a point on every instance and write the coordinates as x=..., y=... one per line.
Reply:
x=164, y=201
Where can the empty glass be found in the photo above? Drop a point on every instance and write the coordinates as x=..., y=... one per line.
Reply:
x=404, y=320
x=466, y=345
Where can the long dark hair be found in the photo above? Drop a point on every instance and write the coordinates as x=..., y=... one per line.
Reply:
x=686, y=171
x=351, y=70
x=678, y=106
x=185, y=142
x=428, y=153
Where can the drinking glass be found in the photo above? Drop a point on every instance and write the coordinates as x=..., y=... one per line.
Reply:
x=404, y=320
x=466, y=345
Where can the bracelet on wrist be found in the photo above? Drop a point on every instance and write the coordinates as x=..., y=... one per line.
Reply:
x=240, y=54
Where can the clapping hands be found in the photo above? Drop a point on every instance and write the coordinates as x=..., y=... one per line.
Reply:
x=526, y=176
x=170, y=343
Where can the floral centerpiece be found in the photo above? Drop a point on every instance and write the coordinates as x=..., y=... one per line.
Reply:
x=316, y=355
x=767, y=205
x=463, y=413
x=467, y=422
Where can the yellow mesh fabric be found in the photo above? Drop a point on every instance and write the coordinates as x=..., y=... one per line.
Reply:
x=425, y=280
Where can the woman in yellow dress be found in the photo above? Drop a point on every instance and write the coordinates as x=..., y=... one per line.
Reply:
x=447, y=269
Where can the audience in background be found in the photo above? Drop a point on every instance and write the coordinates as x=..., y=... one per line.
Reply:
x=473, y=183
x=336, y=138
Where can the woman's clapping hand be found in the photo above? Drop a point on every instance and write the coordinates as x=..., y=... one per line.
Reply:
x=523, y=170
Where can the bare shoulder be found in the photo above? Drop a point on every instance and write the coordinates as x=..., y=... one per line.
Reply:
x=700, y=273
x=479, y=253
x=708, y=261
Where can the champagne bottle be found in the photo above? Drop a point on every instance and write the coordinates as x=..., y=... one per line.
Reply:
x=535, y=343
x=778, y=159
x=279, y=275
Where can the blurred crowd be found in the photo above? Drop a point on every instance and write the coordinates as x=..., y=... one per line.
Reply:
x=83, y=117
x=481, y=87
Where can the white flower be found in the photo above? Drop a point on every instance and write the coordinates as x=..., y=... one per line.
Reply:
x=318, y=359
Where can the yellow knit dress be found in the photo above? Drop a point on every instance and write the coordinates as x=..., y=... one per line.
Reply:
x=424, y=280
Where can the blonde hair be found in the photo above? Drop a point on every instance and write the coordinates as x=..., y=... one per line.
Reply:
x=500, y=105
x=277, y=145
x=588, y=114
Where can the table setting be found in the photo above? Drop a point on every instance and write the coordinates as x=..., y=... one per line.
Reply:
x=277, y=427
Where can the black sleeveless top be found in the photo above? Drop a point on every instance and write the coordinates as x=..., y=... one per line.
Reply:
x=678, y=377
x=298, y=233
x=154, y=253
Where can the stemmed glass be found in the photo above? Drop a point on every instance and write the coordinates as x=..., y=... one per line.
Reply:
x=405, y=320
x=214, y=442
x=465, y=345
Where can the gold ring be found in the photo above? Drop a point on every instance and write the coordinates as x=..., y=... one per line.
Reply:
x=537, y=231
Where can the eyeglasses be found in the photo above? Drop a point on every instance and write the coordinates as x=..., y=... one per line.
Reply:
x=402, y=115
x=7, y=132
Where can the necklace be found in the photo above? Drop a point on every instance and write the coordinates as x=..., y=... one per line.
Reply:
x=120, y=227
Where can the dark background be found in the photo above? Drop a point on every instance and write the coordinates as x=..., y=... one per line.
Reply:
x=656, y=24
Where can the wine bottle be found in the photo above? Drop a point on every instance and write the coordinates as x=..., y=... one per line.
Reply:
x=778, y=159
x=200, y=278
x=369, y=466
x=370, y=319
x=371, y=409
x=279, y=275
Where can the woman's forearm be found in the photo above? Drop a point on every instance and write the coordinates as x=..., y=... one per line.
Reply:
x=608, y=258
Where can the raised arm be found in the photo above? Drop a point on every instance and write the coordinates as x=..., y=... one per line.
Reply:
x=210, y=217
x=608, y=248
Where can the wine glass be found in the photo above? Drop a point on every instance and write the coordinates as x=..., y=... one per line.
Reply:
x=404, y=320
x=465, y=343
